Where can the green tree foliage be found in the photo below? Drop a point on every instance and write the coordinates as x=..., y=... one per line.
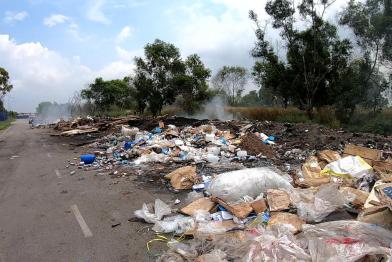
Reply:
x=105, y=94
x=251, y=99
x=371, y=23
x=316, y=58
x=192, y=84
x=231, y=80
x=161, y=76
x=5, y=86
x=156, y=74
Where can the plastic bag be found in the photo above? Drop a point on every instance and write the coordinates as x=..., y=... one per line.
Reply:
x=178, y=224
x=347, y=240
x=193, y=196
x=161, y=209
x=314, y=207
x=270, y=246
x=146, y=213
x=215, y=255
x=347, y=167
x=152, y=214
x=232, y=186
x=125, y=131
x=178, y=252
x=202, y=216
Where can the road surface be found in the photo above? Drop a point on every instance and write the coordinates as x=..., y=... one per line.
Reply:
x=46, y=214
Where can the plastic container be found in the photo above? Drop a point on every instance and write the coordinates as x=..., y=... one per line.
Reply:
x=213, y=150
x=242, y=153
x=212, y=158
x=87, y=159
x=210, y=137
x=157, y=130
x=128, y=145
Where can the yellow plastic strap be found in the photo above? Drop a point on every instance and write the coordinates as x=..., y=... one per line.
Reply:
x=160, y=238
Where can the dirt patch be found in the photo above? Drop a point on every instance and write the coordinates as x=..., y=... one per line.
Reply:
x=254, y=146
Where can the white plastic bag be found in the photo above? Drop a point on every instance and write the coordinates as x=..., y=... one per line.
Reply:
x=178, y=224
x=348, y=167
x=152, y=214
x=234, y=185
x=161, y=209
x=314, y=207
x=126, y=131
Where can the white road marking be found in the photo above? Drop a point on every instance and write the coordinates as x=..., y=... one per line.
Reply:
x=49, y=155
x=58, y=174
x=82, y=223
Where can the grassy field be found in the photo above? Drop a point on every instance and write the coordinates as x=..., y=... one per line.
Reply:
x=5, y=124
x=362, y=121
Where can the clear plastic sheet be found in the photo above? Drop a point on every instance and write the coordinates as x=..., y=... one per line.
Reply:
x=276, y=246
x=347, y=240
x=314, y=207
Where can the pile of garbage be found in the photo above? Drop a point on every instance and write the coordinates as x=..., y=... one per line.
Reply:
x=336, y=208
x=88, y=124
x=133, y=147
x=335, y=205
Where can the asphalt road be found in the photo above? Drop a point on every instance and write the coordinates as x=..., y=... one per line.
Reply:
x=46, y=214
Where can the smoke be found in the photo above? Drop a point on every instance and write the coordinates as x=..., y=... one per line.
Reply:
x=47, y=113
x=214, y=109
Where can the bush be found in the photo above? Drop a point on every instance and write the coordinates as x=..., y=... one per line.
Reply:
x=363, y=121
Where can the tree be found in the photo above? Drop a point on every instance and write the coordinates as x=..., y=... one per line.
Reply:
x=315, y=59
x=105, y=94
x=371, y=23
x=5, y=86
x=156, y=75
x=192, y=85
x=231, y=79
x=162, y=76
x=251, y=99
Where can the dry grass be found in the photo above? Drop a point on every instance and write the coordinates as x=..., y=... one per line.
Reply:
x=268, y=113
x=325, y=116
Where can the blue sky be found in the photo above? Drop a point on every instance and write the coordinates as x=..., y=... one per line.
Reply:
x=53, y=48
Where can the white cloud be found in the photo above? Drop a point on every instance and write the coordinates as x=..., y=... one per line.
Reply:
x=116, y=70
x=55, y=20
x=126, y=55
x=73, y=30
x=224, y=39
x=124, y=34
x=95, y=13
x=11, y=17
x=40, y=74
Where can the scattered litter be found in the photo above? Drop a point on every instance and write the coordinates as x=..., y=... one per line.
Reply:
x=249, y=191
x=115, y=225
